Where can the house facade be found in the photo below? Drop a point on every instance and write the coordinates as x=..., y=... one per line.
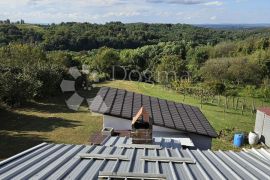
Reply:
x=198, y=141
x=170, y=119
x=262, y=125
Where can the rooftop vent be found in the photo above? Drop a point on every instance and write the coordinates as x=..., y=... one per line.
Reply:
x=107, y=131
x=142, y=128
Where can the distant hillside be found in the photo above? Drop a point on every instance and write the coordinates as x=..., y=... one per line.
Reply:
x=86, y=36
x=234, y=26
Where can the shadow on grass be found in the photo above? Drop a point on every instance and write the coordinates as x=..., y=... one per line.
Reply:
x=12, y=121
x=43, y=106
x=11, y=144
x=58, y=104
x=209, y=104
x=234, y=112
x=17, y=131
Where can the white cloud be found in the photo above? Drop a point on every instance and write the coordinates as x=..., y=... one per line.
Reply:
x=121, y=14
x=13, y=3
x=177, y=1
x=213, y=18
x=214, y=3
x=160, y=11
x=179, y=13
x=98, y=2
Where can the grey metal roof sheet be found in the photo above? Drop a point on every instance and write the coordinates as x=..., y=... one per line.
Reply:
x=175, y=142
x=60, y=161
x=125, y=104
x=159, y=141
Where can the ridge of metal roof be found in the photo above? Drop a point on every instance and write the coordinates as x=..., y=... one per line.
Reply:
x=125, y=104
x=62, y=161
x=158, y=142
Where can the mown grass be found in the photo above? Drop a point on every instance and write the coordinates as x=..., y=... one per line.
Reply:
x=225, y=121
x=44, y=121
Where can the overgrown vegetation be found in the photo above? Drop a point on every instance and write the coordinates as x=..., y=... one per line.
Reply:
x=32, y=66
x=85, y=36
x=27, y=72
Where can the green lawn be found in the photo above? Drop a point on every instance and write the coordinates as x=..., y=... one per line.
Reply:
x=51, y=121
x=228, y=122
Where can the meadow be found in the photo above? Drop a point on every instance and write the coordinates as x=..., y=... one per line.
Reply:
x=44, y=121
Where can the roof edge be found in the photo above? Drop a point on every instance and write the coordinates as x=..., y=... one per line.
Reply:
x=22, y=153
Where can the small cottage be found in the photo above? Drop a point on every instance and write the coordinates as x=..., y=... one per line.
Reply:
x=167, y=118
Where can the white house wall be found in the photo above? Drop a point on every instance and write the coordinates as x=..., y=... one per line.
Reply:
x=116, y=123
x=262, y=127
x=259, y=123
x=199, y=141
x=266, y=130
x=124, y=124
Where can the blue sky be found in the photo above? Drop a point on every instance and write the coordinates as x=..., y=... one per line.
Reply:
x=150, y=11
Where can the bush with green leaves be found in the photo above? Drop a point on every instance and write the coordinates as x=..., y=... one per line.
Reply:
x=170, y=69
x=50, y=77
x=17, y=86
x=104, y=60
x=26, y=73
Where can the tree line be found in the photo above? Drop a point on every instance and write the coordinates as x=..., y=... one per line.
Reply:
x=85, y=36
x=206, y=63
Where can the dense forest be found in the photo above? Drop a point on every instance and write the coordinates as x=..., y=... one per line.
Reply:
x=85, y=36
x=35, y=58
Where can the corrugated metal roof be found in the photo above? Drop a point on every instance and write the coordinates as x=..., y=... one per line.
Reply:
x=125, y=104
x=184, y=139
x=160, y=141
x=59, y=161
x=262, y=153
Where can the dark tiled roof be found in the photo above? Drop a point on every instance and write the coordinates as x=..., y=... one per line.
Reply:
x=125, y=104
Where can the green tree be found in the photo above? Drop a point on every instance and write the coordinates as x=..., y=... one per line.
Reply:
x=216, y=88
x=196, y=58
x=224, y=49
x=250, y=91
x=104, y=60
x=241, y=71
x=215, y=70
x=170, y=69
x=264, y=92
x=26, y=73
x=182, y=86
x=17, y=86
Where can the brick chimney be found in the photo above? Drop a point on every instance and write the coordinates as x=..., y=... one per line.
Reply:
x=142, y=128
